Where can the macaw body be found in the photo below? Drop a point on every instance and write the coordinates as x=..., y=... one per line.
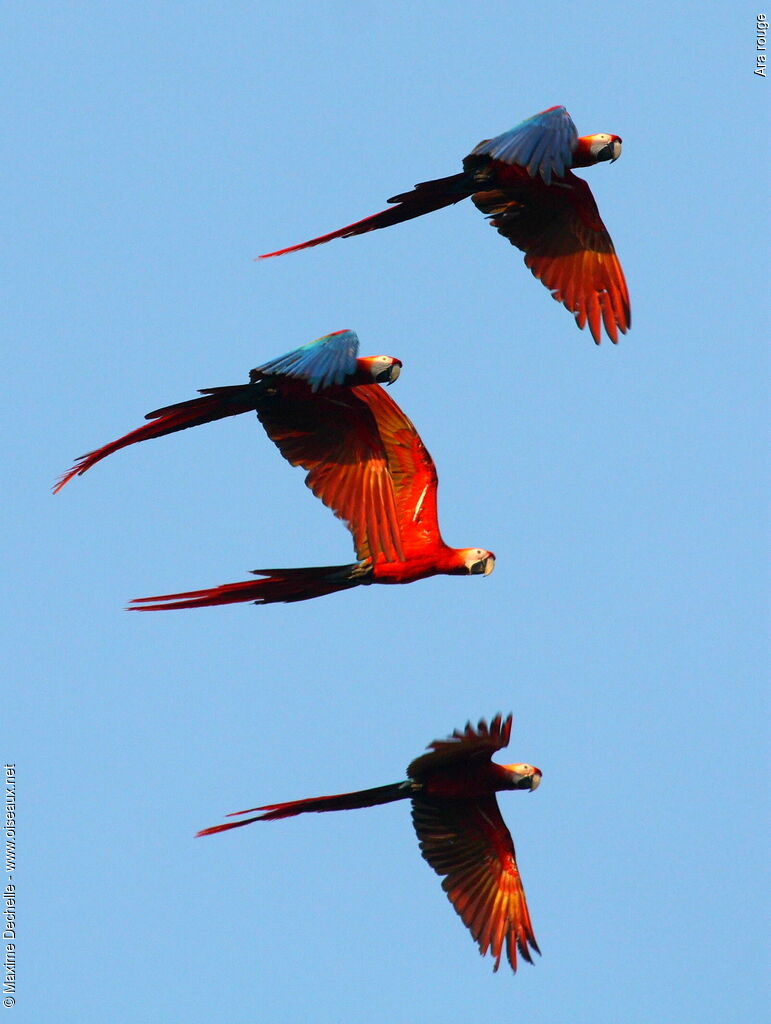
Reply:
x=290, y=585
x=460, y=829
x=522, y=180
x=363, y=457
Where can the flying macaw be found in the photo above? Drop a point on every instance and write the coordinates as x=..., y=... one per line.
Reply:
x=461, y=832
x=522, y=180
x=364, y=460
x=330, y=361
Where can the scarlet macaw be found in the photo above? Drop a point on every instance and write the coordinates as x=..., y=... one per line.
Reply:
x=330, y=361
x=364, y=459
x=522, y=180
x=366, y=462
x=461, y=832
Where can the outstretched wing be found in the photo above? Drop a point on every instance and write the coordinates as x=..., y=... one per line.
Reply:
x=468, y=843
x=566, y=246
x=322, y=363
x=464, y=744
x=412, y=473
x=333, y=435
x=543, y=144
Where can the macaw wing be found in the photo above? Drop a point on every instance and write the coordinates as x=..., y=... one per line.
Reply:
x=463, y=745
x=322, y=363
x=543, y=144
x=412, y=473
x=333, y=436
x=467, y=842
x=566, y=246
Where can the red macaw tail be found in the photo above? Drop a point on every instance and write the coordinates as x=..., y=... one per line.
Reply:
x=215, y=405
x=279, y=585
x=424, y=198
x=339, y=802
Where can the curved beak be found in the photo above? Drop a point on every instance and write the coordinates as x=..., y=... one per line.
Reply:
x=613, y=150
x=535, y=780
x=390, y=373
x=484, y=566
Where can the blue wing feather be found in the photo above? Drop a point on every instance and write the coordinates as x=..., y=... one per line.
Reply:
x=323, y=363
x=543, y=144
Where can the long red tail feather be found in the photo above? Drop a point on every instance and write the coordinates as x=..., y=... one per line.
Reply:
x=338, y=802
x=215, y=404
x=424, y=198
x=285, y=585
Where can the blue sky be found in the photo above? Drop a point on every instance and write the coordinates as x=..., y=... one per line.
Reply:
x=151, y=152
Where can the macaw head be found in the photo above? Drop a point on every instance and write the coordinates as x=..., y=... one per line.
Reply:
x=384, y=369
x=476, y=561
x=593, y=149
x=523, y=776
